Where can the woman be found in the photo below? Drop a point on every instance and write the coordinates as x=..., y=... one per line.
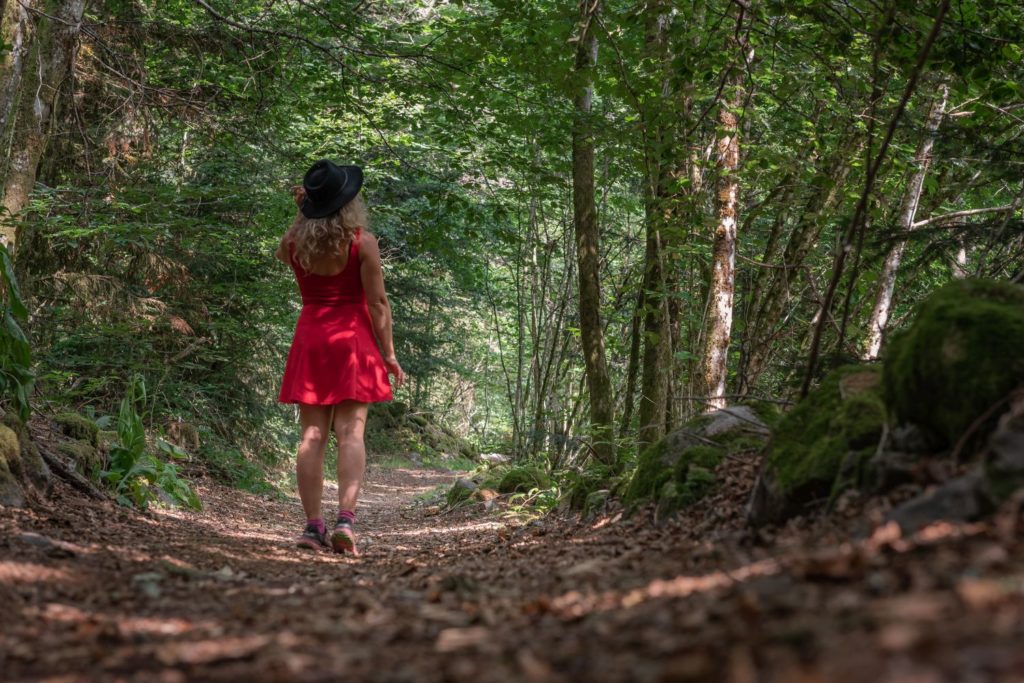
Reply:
x=342, y=352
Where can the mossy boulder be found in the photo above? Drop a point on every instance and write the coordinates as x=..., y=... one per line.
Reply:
x=460, y=492
x=31, y=467
x=822, y=445
x=85, y=456
x=963, y=353
x=679, y=470
x=74, y=426
x=11, y=492
x=523, y=478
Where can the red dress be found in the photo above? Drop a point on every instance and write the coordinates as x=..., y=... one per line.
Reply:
x=334, y=355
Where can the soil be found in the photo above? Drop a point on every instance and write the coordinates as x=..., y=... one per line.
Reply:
x=90, y=591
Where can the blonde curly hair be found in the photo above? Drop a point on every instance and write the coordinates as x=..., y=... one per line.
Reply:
x=316, y=237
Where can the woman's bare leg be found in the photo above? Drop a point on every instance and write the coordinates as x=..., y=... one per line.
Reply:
x=309, y=465
x=349, y=425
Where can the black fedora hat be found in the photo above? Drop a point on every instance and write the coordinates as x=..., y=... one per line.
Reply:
x=329, y=187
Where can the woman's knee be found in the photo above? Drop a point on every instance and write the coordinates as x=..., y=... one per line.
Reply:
x=313, y=438
x=349, y=432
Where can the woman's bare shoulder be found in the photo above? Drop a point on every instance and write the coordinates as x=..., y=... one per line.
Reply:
x=367, y=241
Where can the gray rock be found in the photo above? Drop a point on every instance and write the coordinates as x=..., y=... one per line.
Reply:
x=467, y=484
x=494, y=458
x=908, y=438
x=1004, y=466
x=888, y=469
x=962, y=499
x=734, y=418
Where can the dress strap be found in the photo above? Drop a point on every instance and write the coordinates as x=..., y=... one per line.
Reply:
x=355, y=240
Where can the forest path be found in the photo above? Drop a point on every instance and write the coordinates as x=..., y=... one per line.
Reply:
x=103, y=593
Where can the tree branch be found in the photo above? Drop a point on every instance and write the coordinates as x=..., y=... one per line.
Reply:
x=960, y=214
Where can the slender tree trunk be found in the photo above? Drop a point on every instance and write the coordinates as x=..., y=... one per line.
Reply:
x=658, y=156
x=633, y=366
x=16, y=31
x=654, y=375
x=714, y=360
x=588, y=238
x=49, y=61
x=908, y=211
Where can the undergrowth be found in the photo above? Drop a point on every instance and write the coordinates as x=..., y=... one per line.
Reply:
x=136, y=476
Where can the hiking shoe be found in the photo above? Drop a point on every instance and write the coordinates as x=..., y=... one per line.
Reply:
x=311, y=539
x=343, y=538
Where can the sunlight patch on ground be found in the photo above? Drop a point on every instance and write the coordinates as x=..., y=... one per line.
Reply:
x=577, y=604
x=126, y=625
x=430, y=531
x=28, y=572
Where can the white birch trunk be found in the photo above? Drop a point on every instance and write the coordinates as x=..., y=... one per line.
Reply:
x=908, y=210
x=714, y=361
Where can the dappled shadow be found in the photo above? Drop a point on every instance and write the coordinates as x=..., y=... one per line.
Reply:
x=469, y=596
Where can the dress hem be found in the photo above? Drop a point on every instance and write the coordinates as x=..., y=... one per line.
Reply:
x=332, y=402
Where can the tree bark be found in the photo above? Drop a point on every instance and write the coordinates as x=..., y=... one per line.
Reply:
x=16, y=30
x=588, y=238
x=632, y=367
x=908, y=211
x=49, y=61
x=722, y=287
x=657, y=118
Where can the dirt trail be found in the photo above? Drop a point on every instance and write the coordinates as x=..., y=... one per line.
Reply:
x=103, y=593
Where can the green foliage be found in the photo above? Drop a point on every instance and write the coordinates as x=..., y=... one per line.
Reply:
x=230, y=466
x=136, y=476
x=16, y=375
x=963, y=353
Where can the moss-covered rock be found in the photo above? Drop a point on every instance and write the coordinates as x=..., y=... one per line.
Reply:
x=31, y=467
x=835, y=430
x=460, y=492
x=679, y=470
x=85, y=456
x=76, y=427
x=11, y=492
x=963, y=353
x=523, y=478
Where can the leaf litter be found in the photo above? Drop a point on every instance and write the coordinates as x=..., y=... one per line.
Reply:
x=92, y=591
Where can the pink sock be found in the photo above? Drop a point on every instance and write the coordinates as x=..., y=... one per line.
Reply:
x=321, y=527
x=346, y=516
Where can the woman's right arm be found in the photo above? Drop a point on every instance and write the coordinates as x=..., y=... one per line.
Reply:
x=372, y=275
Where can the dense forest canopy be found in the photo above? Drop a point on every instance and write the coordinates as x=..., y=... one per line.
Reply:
x=598, y=218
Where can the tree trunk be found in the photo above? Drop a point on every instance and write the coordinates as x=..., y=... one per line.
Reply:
x=654, y=377
x=633, y=366
x=588, y=239
x=715, y=356
x=658, y=156
x=16, y=30
x=49, y=60
x=908, y=210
